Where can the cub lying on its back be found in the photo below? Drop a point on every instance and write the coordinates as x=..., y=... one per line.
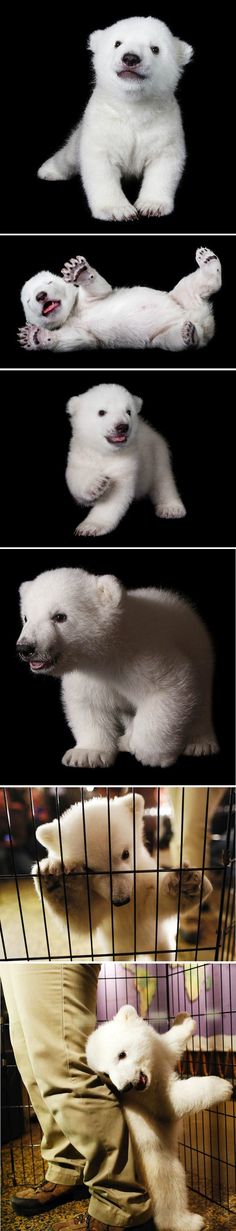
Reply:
x=115, y=457
x=82, y=310
x=132, y=124
x=141, y=1064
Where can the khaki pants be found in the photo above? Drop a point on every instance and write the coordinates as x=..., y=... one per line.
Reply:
x=52, y=1010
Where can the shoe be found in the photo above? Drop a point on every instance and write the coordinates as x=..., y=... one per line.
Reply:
x=32, y=1198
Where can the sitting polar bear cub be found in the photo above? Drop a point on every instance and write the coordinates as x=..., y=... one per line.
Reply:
x=111, y=879
x=136, y=665
x=132, y=125
x=81, y=310
x=141, y=1064
x=115, y=458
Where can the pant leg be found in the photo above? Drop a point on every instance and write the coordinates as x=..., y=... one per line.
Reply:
x=58, y=1012
x=63, y=1163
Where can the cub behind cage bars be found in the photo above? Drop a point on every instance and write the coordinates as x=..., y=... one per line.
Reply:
x=174, y=831
x=207, y=1140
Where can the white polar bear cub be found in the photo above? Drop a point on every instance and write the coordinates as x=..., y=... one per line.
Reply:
x=81, y=310
x=141, y=1064
x=87, y=840
x=136, y=665
x=132, y=125
x=115, y=457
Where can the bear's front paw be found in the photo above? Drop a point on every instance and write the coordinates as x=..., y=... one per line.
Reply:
x=50, y=870
x=88, y=758
x=115, y=211
x=223, y=1090
x=76, y=270
x=31, y=337
x=188, y=881
x=170, y=509
x=91, y=528
x=154, y=209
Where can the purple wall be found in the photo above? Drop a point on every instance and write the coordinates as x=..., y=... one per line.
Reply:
x=159, y=991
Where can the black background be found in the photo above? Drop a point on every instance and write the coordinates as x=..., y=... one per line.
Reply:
x=140, y=260
x=195, y=416
x=52, y=81
x=34, y=733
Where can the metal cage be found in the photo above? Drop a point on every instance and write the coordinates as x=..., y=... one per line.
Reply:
x=174, y=831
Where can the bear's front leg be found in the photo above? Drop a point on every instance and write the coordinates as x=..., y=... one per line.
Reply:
x=102, y=184
x=156, y=196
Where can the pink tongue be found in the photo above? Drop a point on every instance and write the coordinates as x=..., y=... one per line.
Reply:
x=38, y=665
x=117, y=439
x=51, y=307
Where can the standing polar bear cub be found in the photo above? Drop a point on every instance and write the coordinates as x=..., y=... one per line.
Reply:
x=115, y=457
x=132, y=125
x=136, y=665
x=141, y=1064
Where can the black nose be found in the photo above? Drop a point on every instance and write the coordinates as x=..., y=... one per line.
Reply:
x=26, y=649
x=131, y=59
x=120, y=901
x=121, y=428
x=41, y=296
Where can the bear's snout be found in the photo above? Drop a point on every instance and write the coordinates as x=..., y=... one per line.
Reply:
x=25, y=649
x=130, y=59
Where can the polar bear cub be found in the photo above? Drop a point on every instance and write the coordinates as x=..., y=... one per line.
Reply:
x=136, y=665
x=132, y=125
x=115, y=458
x=94, y=860
x=141, y=1064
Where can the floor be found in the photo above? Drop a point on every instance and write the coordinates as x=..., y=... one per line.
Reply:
x=58, y=943
x=215, y=1217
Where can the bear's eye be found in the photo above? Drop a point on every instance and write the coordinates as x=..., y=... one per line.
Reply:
x=122, y=1055
x=102, y=412
x=59, y=617
x=128, y=412
x=125, y=854
x=117, y=44
x=155, y=50
x=25, y=619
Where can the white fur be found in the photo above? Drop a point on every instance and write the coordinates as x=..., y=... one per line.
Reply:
x=153, y=1114
x=91, y=314
x=111, y=879
x=132, y=125
x=137, y=666
x=109, y=469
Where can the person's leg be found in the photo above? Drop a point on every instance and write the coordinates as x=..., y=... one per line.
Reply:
x=63, y=1164
x=58, y=1012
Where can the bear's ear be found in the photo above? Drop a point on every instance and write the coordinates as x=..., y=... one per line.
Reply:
x=126, y=1012
x=23, y=589
x=94, y=40
x=109, y=591
x=138, y=402
x=134, y=803
x=44, y=836
x=72, y=406
x=184, y=52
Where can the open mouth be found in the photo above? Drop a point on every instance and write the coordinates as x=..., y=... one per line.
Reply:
x=129, y=73
x=118, y=438
x=51, y=306
x=137, y=1085
x=42, y=664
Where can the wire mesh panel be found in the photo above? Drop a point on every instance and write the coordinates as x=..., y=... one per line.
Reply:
x=159, y=992
x=135, y=883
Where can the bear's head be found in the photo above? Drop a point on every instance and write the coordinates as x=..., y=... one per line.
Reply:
x=105, y=418
x=98, y=840
x=138, y=57
x=67, y=617
x=123, y=1049
x=47, y=300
